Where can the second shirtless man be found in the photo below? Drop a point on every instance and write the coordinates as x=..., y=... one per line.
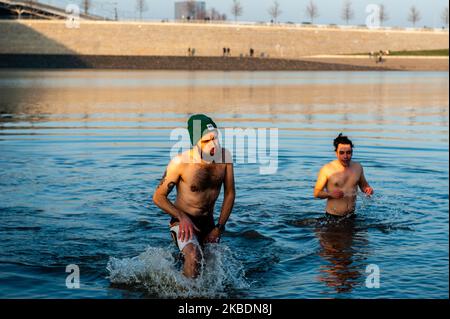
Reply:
x=198, y=175
x=338, y=180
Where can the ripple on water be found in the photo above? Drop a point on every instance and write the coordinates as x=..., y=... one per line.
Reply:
x=157, y=273
x=76, y=182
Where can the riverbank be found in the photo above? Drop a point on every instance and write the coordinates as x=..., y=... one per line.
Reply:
x=149, y=39
x=399, y=63
x=312, y=63
x=168, y=63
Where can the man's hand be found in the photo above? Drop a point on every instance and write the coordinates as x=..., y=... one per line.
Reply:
x=186, y=228
x=213, y=236
x=336, y=194
x=368, y=191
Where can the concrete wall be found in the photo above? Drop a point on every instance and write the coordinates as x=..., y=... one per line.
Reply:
x=132, y=38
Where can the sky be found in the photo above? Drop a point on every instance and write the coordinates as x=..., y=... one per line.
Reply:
x=292, y=10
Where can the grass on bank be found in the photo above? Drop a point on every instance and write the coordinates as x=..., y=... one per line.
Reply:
x=441, y=52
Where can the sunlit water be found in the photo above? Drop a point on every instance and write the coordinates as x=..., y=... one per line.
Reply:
x=82, y=151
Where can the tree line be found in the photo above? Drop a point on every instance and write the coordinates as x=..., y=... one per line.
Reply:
x=311, y=11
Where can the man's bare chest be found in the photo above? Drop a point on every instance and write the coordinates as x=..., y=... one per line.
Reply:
x=344, y=179
x=201, y=178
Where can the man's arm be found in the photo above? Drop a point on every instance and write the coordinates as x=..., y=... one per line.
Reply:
x=321, y=182
x=319, y=191
x=169, y=180
x=229, y=194
x=227, y=205
x=364, y=185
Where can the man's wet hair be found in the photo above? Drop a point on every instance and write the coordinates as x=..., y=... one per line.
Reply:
x=341, y=139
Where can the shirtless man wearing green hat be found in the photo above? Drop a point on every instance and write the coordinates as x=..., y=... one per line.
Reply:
x=198, y=175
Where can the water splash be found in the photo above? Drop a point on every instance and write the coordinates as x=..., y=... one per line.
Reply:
x=158, y=273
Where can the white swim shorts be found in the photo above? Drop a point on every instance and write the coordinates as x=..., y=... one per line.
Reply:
x=181, y=244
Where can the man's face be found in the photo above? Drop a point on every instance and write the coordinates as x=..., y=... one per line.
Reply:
x=344, y=154
x=209, y=144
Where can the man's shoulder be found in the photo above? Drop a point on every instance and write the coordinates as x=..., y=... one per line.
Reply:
x=227, y=157
x=356, y=165
x=330, y=166
x=179, y=160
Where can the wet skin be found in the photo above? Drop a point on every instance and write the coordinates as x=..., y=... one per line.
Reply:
x=198, y=176
x=338, y=182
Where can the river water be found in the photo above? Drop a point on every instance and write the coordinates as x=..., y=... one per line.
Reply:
x=81, y=153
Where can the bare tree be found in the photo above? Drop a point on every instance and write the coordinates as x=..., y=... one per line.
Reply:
x=347, y=11
x=213, y=14
x=216, y=15
x=86, y=5
x=141, y=7
x=444, y=16
x=236, y=9
x=414, y=15
x=312, y=11
x=191, y=6
x=383, y=15
x=275, y=11
x=201, y=14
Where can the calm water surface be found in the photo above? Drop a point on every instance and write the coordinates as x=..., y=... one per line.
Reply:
x=82, y=151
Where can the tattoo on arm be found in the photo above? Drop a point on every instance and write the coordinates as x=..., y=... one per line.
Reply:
x=170, y=186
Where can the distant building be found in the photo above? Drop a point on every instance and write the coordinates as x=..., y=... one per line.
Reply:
x=191, y=10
